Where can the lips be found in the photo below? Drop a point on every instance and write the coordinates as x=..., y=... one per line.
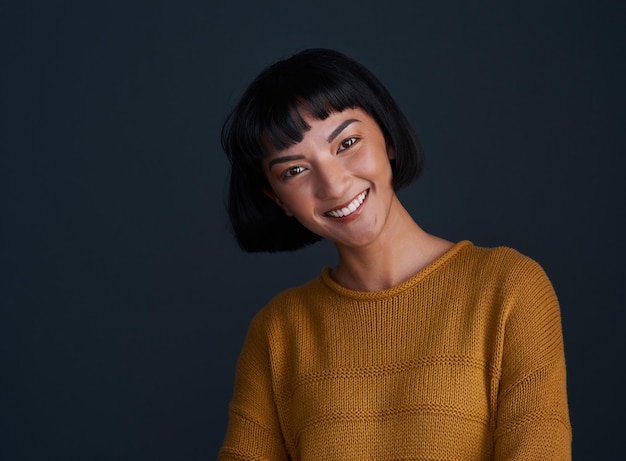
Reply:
x=350, y=208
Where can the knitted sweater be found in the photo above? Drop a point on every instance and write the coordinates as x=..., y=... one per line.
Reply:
x=463, y=361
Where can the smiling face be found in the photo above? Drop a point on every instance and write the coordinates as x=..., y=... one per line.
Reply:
x=337, y=181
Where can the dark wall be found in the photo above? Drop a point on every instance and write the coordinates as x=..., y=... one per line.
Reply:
x=124, y=300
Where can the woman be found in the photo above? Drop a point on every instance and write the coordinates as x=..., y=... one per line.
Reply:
x=412, y=347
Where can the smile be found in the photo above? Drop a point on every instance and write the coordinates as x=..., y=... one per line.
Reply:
x=351, y=208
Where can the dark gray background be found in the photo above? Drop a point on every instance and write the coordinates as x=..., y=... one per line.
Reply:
x=124, y=300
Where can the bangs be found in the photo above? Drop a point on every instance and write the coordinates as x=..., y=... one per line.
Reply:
x=316, y=96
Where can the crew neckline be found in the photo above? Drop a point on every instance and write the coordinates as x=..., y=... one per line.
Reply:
x=370, y=295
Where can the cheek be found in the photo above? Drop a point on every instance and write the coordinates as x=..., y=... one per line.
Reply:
x=293, y=197
x=373, y=164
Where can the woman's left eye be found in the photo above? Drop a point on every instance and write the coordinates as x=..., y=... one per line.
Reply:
x=347, y=143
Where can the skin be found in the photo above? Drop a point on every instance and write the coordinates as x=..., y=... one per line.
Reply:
x=338, y=160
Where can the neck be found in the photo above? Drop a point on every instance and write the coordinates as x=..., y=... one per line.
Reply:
x=401, y=251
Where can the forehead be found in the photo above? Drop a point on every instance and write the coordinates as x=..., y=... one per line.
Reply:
x=325, y=135
x=324, y=129
x=284, y=123
x=332, y=125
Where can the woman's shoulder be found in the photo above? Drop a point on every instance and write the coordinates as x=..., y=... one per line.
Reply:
x=505, y=267
x=292, y=301
x=498, y=258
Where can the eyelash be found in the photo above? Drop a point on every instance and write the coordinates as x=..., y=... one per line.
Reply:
x=351, y=141
x=288, y=172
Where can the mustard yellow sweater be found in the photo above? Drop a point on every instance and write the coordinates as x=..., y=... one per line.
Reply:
x=464, y=361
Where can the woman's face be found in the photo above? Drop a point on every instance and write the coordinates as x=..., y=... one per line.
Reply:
x=337, y=181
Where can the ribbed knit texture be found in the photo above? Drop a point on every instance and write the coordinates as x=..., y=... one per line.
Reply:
x=464, y=361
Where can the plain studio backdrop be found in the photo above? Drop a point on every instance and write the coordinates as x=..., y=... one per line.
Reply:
x=125, y=300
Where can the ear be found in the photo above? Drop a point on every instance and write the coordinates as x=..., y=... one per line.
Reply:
x=270, y=193
x=391, y=152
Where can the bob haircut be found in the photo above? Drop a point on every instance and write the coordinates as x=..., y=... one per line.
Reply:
x=321, y=81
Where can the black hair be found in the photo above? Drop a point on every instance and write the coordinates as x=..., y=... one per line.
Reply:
x=269, y=113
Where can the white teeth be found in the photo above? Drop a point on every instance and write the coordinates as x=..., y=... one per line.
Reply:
x=351, y=208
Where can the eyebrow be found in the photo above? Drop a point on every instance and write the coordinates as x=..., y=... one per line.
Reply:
x=288, y=158
x=340, y=128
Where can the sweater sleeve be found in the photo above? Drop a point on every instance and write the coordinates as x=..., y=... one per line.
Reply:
x=253, y=429
x=532, y=416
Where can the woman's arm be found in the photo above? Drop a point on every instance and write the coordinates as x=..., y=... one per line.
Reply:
x=532, y=417
x=253, y=429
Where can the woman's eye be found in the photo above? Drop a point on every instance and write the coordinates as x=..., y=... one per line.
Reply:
x=346, y=143
x=293, y=171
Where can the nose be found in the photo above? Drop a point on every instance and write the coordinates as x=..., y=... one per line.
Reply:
x=333, y=179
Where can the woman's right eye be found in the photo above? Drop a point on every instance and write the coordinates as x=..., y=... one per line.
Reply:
x=293, y=171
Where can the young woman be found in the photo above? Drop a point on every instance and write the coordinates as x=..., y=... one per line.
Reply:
x=412, y=347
